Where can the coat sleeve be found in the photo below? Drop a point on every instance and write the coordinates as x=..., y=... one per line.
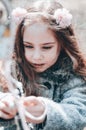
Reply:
x=70, y=112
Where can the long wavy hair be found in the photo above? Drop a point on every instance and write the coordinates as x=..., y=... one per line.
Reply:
x=66, y=37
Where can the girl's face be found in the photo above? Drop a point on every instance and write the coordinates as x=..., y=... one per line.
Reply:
x=41, y=47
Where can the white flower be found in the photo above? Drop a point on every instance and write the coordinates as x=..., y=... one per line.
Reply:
x=63, y=17
x=18, y=14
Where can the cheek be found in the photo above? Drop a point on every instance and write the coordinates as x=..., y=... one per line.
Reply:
x=55, y=53
x=27, y=54
x=51, y=56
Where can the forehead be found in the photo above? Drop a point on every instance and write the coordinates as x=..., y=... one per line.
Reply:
x=39, y=32
x=37, y=27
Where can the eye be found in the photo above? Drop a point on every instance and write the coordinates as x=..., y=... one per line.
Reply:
x=47, y=47
x=28, y=46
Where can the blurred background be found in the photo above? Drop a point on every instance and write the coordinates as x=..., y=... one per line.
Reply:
x=7, y=29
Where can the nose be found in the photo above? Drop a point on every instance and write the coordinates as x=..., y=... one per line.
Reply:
x=37, y=55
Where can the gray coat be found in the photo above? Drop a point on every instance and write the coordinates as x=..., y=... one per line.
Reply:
x=64, y=92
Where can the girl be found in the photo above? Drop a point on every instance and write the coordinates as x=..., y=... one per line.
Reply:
x=48, y=63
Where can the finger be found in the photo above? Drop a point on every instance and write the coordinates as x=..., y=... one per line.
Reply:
x=2, y=105
x=30, y=98
x=30, y=104
x=33, y=119
x=9, y=101
x=10, y=109
x=8, y=97
x=10, y=105
x=4, y=112
x=5, y=115
x=30, y=101
x=5, y=108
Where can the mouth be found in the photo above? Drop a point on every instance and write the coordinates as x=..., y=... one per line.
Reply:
x=37, y=65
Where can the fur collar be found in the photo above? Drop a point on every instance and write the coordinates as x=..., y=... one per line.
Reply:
x=60, y=71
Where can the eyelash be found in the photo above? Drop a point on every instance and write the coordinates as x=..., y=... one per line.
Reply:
x=47, y=47
x=26, y=46
x=31, y=47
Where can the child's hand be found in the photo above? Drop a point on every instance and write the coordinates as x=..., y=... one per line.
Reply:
x=7, y=106
x=34, y=109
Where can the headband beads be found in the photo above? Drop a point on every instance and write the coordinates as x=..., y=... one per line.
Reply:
x=62, y=16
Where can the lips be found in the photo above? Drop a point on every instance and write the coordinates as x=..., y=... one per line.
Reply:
x=37, y=65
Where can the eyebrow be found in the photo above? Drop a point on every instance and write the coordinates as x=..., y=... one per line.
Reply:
x=42, y=43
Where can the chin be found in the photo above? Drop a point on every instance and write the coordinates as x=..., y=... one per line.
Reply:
x=40, y=70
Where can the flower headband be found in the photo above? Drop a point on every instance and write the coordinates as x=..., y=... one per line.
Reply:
x=62, y=16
